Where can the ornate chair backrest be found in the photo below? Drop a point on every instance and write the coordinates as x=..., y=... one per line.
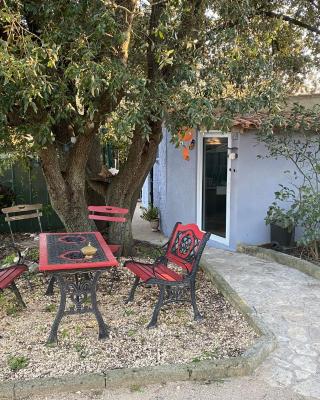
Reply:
x=102, y=213
x=186, y=245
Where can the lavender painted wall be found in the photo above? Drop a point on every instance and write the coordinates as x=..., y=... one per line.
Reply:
x=145, y=192
x=253, y=183
x=181, y=188
x=257, y=180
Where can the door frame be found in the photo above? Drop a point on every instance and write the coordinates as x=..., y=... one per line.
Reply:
x=200, y=139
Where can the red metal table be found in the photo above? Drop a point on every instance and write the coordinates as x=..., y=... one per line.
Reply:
x=77, y=277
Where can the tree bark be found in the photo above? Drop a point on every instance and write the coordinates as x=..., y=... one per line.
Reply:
x=126, y=186
x=66, y=184
x=67, y=187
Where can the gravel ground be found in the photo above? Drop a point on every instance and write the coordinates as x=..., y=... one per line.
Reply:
x=178, y=339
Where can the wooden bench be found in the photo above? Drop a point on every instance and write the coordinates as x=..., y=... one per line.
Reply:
x=184, y=250
x=8, y=276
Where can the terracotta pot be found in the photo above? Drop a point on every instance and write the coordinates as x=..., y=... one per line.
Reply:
x=154, y=225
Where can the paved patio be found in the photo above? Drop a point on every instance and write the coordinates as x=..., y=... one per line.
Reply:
x=289, y=303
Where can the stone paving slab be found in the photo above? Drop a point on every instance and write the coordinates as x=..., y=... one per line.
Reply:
x=300, y=264
x=288, y=302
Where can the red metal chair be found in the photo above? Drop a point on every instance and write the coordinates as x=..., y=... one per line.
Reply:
x=102, y=213
x=184, y=249
x=9, y=274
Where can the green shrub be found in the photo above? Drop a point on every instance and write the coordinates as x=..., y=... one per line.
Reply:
x=285, y=218
x=299, y=204
x=32, y=255
x=9, y=259
x=16, y=363
x=151, y=213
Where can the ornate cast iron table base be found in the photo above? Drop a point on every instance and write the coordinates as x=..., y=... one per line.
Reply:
x=79, y=287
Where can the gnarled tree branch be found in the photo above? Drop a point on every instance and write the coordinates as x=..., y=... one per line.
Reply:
x=291, y=20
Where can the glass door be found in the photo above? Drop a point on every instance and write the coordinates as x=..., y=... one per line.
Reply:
x=214, y=185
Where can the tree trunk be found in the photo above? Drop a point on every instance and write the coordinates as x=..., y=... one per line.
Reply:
x=67, y=188
x=71, y=207
x=66, y=183
x=126, y=186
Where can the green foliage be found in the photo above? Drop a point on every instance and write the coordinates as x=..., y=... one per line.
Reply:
x=9, y=305
x=9, y=259
x=132, y=332
x=78, y=329
x=81, y=350
x=7, y=196
x=128, y=312
x=299, y=204
x=16, y=363
x=72, y=72
x=12, y=309
x=50, y=308
x=65, y=333
x=285, y=218
x=64, y=64
x=32, y=254
x=151, y=213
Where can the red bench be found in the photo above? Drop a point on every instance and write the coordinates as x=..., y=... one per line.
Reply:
x=7, y=277
x=184, y=250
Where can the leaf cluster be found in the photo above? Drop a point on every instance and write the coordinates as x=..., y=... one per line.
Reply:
x=127, y=64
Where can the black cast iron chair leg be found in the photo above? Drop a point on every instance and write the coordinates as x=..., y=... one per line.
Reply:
x=63, y=295
x=15, y=290
x=30, y=284
x=49, y=291
x=115, y=277
x=154, y=319
x=133, y=289
x=103, y=330
x=197, y=315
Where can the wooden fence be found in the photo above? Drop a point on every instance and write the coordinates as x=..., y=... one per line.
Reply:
x=29, y=186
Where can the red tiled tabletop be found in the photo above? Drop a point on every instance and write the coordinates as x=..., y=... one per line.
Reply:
x=62, y=251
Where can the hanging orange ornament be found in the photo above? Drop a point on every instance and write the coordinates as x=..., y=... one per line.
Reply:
x=185, y=153
x=185, y=134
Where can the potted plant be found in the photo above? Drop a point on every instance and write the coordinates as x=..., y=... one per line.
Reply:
x=151, y=214
x=282, y=225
